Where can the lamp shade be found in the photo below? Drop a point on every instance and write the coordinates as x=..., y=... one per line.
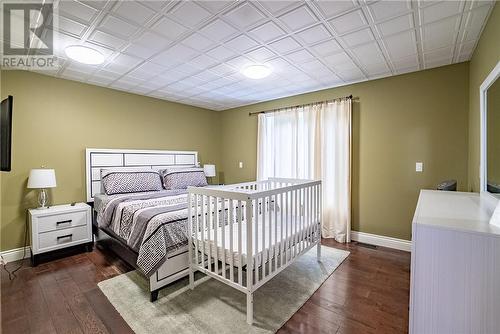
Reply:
x=42, y=178
x=209, y=170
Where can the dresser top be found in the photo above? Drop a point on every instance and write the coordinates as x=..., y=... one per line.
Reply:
x=455, y=210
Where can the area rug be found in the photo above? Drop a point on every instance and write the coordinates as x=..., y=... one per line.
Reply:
x=213, y=307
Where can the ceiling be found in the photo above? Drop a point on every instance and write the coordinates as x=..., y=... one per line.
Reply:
x=192, y=52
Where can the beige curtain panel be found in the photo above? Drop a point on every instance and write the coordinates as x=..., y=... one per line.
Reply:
x=312, y=142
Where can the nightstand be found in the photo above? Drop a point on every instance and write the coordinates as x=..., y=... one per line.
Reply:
x=59, y=227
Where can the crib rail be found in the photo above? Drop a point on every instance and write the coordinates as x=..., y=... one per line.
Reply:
x=245, y=234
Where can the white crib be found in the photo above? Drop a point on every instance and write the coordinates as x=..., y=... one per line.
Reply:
x=258, y=228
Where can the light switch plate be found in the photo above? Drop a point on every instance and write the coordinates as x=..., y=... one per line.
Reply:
x=240, y=164
x=419, y=167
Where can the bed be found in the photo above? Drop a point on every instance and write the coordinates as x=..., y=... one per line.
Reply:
x=146, y=229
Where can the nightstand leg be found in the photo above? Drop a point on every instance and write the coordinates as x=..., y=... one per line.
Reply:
x=90, y=247
x=34, y=260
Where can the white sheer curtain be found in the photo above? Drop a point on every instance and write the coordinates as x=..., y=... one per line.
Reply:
x=312, y=142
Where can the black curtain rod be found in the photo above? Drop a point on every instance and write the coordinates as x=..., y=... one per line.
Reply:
x=298, y=105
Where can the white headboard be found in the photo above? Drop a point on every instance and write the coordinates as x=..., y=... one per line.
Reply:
x=98, y=158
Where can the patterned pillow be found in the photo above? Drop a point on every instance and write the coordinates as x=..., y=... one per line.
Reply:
x=181, y=178
x=116, y=181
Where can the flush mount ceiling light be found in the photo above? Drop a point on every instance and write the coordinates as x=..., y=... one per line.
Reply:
x=256, y=71
x=84, y=54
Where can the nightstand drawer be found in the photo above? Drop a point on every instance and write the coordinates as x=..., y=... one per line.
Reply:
x=61, y=221
x=53, y=239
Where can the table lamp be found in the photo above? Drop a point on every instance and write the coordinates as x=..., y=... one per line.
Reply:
x=42, y=179
x=209, y=171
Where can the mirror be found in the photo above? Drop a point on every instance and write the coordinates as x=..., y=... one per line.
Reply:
x=493, y=138
x=489, y=105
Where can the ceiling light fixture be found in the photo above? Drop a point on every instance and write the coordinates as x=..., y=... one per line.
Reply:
x=84, y=54
x=256, y=71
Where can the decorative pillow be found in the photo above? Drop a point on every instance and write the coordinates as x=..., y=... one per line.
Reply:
x=181, y=178
x=116, y=181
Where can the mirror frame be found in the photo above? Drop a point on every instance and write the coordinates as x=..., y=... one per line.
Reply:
x=483, y=89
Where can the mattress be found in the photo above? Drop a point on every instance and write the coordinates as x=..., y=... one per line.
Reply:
x=267, y=248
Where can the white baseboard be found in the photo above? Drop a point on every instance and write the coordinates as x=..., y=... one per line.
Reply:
x=381, y=240
x=15, y=254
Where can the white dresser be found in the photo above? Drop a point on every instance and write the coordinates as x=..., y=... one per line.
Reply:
x=455, y=265
x=59, y=227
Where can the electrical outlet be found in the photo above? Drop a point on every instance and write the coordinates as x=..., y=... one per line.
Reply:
x=419, y=167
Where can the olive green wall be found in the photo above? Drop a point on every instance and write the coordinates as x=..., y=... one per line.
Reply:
x=55, y=120
x=484, y=59
x=397, y=121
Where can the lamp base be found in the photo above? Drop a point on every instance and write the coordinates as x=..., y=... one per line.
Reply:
x=43, y=199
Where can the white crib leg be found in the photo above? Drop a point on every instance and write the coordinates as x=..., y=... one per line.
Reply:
x=191, y=278
x=318, y=250
x=249, y=308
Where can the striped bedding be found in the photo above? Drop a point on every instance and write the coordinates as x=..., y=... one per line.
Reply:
x=153, y=224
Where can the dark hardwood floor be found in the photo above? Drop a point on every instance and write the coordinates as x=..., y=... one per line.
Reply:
x=368, y=293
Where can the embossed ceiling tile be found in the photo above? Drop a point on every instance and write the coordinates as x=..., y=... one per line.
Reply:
x=314, y=34
x=241, y=43
x=218, y=30
x=326, y=48
x=198, y=42
x=117, y=26
x=244, y=15
x=221, y=53
x=107, y=39
x=384, y=9
x=300, y=56
x=190, y=13
x=77, y=10
x=285, y=45
x=396, y=25
x=133, y=11
x=267, y=32
x=261, y=54
x=359, y=37
x=334, y=8
x=277, y=7
x=298, y=18
x=169, y=28
x=349, y=22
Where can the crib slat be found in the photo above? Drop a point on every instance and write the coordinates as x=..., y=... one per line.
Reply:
x=282, y=241
x=263, y=241
x=223, y=239
x=250, y=257
x=287, y=222
x=300, y=237
x=270, y=247
x=210, y=232
x=256, y=246
x=276, y=249
x=294, y=225
x=308, y=222
x=196, y=227
x=240, y=247
x=203, y=231
x=301, y=220
x=230, y=220
x=215, y=212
